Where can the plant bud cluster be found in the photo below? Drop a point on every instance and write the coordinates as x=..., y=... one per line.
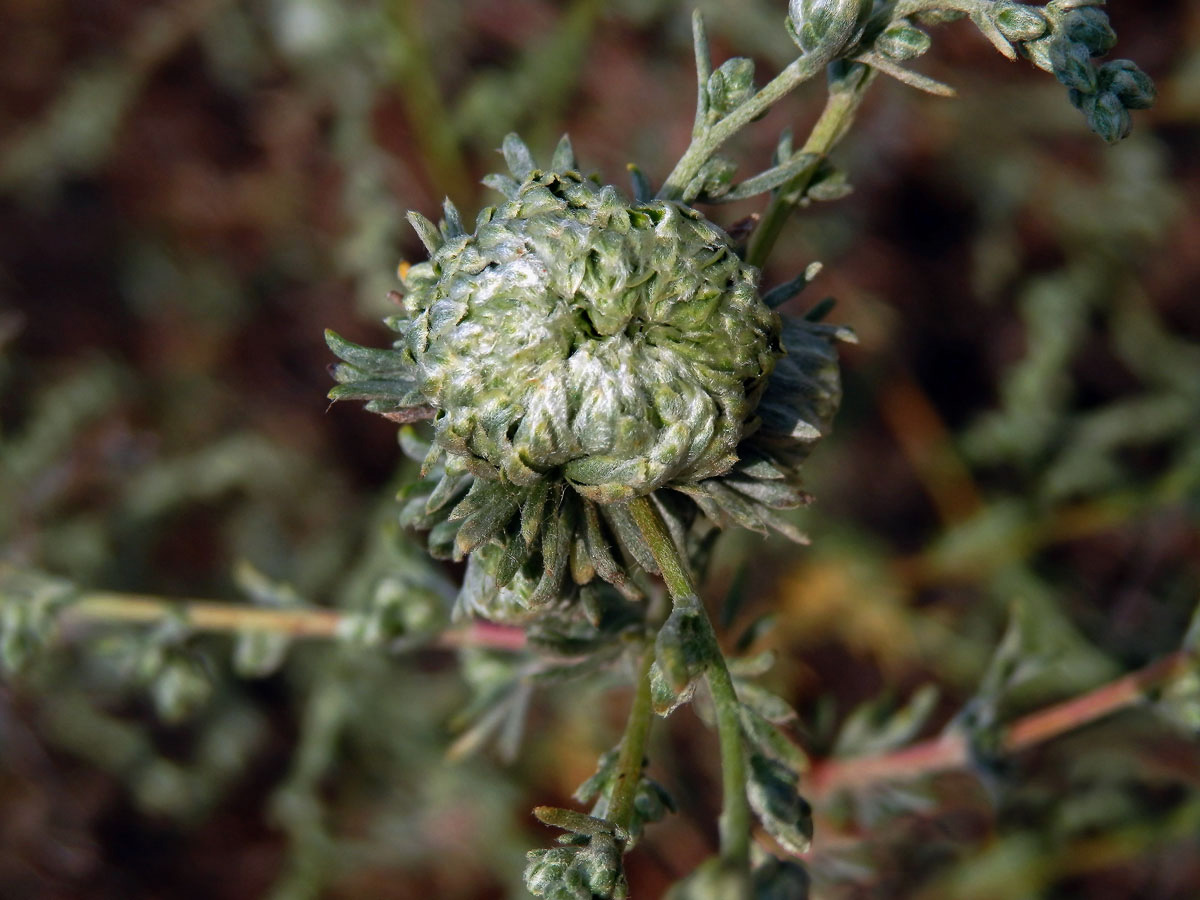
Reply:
x=1063, y=40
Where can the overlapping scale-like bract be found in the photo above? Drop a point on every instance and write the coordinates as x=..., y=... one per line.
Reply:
x=574, y=336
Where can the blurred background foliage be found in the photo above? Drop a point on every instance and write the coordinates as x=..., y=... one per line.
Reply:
x=191, y=191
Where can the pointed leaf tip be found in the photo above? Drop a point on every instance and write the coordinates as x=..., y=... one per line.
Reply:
x=426, y=231
x=502, y=184
x=517, y=156
x=564, y=156
x=454, y=224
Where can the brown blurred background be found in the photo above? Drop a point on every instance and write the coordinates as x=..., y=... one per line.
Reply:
x=191, y=191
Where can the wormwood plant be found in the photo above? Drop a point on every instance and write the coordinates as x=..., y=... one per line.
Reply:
x=595, y=385
x=607, y=388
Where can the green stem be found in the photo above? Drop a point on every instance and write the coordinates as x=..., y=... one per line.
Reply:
x=703, y=73
x=631, y=759
x=845, y=97
x=709, y=140
x=970, y=7
x=674, y=570
x=735, y=817
x=735, y=821
x=413, y=69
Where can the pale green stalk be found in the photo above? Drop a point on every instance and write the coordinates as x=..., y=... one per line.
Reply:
x=413, y=67
x=735, y=817
x=706, y=140
x=841, y=107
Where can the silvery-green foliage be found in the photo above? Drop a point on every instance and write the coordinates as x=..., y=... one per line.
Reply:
x=773, y=791
x=257, y=654
x=30, y=603
x=547, y=539
x=1040, y=426
x=877, y=727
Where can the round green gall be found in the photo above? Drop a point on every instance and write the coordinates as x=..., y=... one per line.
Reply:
x=575, y=351
x=619, y=346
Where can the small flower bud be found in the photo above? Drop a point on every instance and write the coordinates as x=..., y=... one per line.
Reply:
x=1038, y=52
x=1089, y=26
x=652, y=802
x=827, y=27
x=1019, y=22
x=1072, y=65
x=1133, y=86
x=547, y=870
x=1108, y=117
x=731, y=85
x=682, y=648
x=902, y=41
x=600, y=863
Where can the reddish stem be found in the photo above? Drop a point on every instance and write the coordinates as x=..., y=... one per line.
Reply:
x=952, y=751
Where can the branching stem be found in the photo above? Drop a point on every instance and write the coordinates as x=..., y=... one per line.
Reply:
x=952, y=751
x=707, y=140
x=845, y=97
